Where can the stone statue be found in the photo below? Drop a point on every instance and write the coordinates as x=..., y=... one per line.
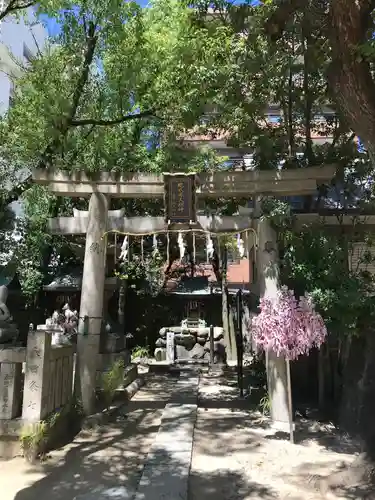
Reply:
x=64, y=325
x=8, y=330
x=56, y=317
x=70, y=321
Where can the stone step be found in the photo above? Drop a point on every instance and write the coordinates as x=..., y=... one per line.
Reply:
x=160, y=367
x=191, y=362
x=166, y=472
x=178, y=366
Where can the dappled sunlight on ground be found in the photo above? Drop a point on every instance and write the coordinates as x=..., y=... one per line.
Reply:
x=103, y=459
x=236, y=453
x=238, y=456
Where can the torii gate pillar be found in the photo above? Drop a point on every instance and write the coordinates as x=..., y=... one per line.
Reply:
x=92, y=296
x=268, y=281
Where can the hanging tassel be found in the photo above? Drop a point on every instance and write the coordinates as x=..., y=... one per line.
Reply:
x=142, y=248
x=181, y=245
x=155, y=244
x=194, y=249
x=219, y=252
x=124, y=249
x=209, y=247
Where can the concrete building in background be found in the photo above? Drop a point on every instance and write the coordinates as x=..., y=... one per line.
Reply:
x=19, y=42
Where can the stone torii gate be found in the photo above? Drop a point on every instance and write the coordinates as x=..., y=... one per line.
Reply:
x=99, y=220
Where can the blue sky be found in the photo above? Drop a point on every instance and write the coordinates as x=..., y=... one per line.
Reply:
x=53, y=26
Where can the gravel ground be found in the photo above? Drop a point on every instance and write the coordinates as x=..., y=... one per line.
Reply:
x=237, y=456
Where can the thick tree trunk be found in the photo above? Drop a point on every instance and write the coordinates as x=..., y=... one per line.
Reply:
x=347, y=27
x=350, y=76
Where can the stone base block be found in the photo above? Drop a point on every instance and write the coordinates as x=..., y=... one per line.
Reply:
x=105, y=361
x=282, y=426
x=160, y=367
x=10, y=447
x=160, y=354
x=130, y=374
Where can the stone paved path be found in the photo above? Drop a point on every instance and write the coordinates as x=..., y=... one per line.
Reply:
x=146, y=453
x=166, y=472
x=101, y=464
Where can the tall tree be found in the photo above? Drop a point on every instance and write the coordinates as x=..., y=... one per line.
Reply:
x=15, y=7
x=75, y=109
x=348, y=28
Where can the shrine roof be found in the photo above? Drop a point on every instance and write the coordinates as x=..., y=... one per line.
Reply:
x=72, y=281
x=204, y=280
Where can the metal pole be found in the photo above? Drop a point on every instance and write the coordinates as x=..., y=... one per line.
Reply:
x=211, y=345
x=290, y=404
x=239, y=341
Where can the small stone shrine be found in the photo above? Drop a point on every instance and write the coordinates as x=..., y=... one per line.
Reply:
x=8, y=330
x=191, y=342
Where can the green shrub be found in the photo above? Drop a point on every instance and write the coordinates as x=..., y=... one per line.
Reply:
x=111, y=380
x=140, y=352
x=34, y=439
x=37, y=437
x=265, y=405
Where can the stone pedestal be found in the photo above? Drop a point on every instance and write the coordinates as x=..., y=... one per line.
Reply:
x=191, y=344
x=268, y=281
x=8, y=332
x=36, y=385
x=92, y=295
x=10, y=390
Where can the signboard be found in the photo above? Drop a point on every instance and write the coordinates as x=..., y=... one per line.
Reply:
x=180, y=204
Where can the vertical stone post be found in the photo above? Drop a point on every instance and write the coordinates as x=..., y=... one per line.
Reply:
x=212, y=345
x=268, y=281
x=92, y=299
x=10, y=390
x=37, y=376
x=170, y=347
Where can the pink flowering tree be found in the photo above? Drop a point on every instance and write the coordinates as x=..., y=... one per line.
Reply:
x=287, y=326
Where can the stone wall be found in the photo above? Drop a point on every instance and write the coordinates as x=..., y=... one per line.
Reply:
x=191, y=344
x=37, y=380
x=11, y=381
